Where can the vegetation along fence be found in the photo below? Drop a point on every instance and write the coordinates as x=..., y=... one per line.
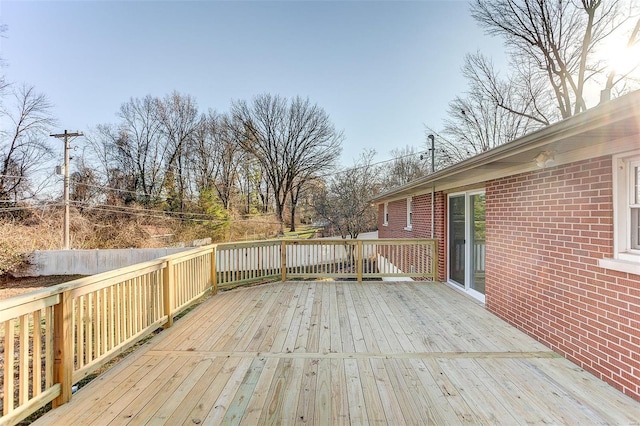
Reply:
x=52, y=338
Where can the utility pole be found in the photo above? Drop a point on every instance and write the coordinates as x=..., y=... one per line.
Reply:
x=433, y=153
x=65, y=136
x=433, y=189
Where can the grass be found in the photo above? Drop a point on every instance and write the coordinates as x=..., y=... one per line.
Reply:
x=303, y=232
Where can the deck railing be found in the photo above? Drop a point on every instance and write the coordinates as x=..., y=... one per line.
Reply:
x=54, y=337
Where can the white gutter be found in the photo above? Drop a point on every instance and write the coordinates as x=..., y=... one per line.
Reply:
x=624, y=108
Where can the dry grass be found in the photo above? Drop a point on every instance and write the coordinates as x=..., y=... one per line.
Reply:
x=42, y=230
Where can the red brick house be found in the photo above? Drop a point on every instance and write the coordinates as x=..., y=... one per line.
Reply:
x=545, y=230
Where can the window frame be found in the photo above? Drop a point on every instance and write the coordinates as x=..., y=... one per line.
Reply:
x=625, y=258
x=385, y=214
x=409, y=226
x=633, y=203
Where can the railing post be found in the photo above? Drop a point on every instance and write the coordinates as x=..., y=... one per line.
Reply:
x=283, y=260
x=359, y=261
x=167, y=293
x=214, y=272
x=63, y=347
x=434, y=257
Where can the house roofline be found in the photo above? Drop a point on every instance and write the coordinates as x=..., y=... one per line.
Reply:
x=617, y=118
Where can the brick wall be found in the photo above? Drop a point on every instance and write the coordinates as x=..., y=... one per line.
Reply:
x=546, y=231
x=421, y=227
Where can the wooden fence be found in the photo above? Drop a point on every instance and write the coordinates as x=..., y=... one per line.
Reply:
x=54, y=337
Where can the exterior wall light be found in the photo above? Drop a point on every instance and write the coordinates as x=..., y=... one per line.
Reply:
x=546, y=159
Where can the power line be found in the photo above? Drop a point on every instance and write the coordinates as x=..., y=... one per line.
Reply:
x=165, y=198
x=138, y=209
x=148, y=213
x=20, y=208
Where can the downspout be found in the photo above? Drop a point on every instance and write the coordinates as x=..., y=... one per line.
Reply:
x=433, y=188
x=433, y=212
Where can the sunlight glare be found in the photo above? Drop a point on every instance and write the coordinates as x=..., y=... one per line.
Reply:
x=622, y=59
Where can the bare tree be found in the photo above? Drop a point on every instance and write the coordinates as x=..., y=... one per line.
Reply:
x=291, y=139
x=484, y=118
x=616, y=76
x=344, y=201
x=179, y=122
x=215, y=157
x=85, y=186
x=23, y=143
x=3, y=82
x=553, y=41
x=408, y=164
x=135, y=150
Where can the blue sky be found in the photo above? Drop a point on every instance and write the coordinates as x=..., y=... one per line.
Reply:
x=381, y=70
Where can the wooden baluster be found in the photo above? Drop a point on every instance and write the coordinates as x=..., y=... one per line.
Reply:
x=63, y=347
x=167, y=284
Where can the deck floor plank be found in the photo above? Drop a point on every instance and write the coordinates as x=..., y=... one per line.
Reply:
x=296, y=322
x=199, y=325
x=344, y=353
x=281, y=405
x=392, y=408
x=359, y=344
x=302, y=338
x=355, y=395
x=372, y=400
x=277, y=345
x=324, y=334
x=241, y=399
x=257, y=403
x=170, y=395
x=536, y=409
x=313, y=338
x=477, y=393
x=145, y=390
x=307, y=398
x=181, y=413
x=376, y=334
x=223, y=402
x=263, y=340
x=207, y=399
x=346, y=331
x=323, y=407
x=339, y=398
x=120, y=394
x=244, y=334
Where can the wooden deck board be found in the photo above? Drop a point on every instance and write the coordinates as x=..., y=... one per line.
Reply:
x=344, y=353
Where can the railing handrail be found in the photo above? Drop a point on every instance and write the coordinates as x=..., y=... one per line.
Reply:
x=103, y=313
x=77, y=283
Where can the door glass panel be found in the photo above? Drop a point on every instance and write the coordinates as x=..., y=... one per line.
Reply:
x=478, y=246
x=456, y=239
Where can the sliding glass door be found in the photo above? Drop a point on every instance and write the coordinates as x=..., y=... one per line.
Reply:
x=457, y=239
x=467, y=241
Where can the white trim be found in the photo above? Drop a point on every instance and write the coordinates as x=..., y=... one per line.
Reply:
x=385, y=214
x=468, y=250
x=409, y=214
x=476, y=295
x=472, y=294
x=630, y=267
x=576, y=138
x=624, y=259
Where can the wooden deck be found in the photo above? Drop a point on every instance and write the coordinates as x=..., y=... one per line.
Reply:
x=329, y=353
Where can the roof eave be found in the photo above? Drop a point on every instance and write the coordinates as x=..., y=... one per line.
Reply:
x=623, y=108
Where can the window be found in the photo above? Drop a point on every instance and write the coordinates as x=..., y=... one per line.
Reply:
x=385, y=220
x=626, y=210
x=634, y=205
x=409, y=213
